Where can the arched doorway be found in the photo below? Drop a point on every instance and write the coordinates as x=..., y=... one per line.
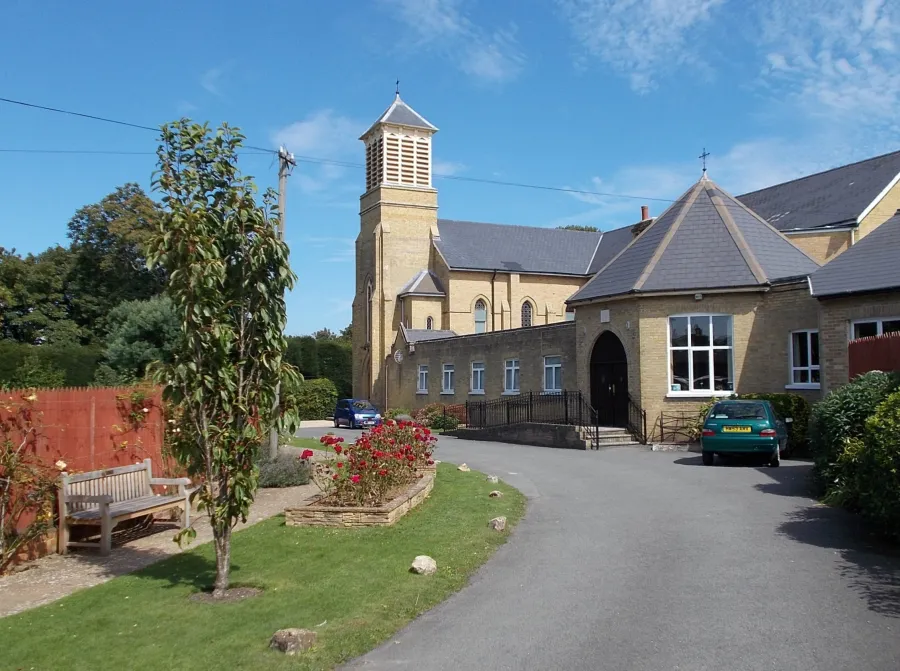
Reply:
x=609, y=380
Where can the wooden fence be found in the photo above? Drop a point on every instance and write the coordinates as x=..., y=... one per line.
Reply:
x=875, y=353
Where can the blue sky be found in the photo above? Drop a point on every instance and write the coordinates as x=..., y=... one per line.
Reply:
x=616, y=96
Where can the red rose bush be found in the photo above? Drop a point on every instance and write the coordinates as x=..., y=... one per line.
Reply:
x=381, y=464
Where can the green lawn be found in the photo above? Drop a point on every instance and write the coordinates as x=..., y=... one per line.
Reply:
x=356, y=581
x=305, y=443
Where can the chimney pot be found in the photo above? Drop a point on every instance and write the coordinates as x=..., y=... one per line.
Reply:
x=645, y=212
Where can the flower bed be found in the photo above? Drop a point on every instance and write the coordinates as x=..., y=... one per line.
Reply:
x=374, y=481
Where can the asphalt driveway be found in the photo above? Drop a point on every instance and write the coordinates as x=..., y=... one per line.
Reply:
x=636, y=560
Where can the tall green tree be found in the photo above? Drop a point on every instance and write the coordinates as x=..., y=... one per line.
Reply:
x=109, y=247
x=227, y=274
x=140, y=333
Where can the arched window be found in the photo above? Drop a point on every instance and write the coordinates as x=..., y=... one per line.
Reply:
x=526, y=313
x=369, y=312
x=429, y=324
x=480, y=316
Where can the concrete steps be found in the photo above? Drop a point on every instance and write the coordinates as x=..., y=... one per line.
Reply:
x=609, y=437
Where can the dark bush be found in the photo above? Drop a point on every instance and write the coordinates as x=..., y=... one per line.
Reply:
x=78, y=362
x=842, y=415
x=315, y=399
x=798, y=409
x=444, y=423
x=285, y=470
x=396, y=412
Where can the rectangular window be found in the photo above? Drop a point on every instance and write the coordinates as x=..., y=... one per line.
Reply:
x=552, y=374
x=477, y=377
x=570, y=315
x=701, y=356
x=511, y=377
x=449, y=375
x=805, y=357
x=875, y=327
x=423, y=380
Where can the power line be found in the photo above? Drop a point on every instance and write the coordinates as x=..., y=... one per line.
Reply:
x=104, y=152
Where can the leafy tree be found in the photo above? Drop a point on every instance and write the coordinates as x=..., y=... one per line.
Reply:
x=109, y=241
x=325, y=335
x=35, y=371
x=303, y=353
x=336, y=364
x=576, y=227
x=140, y=332
x=346, y=333
x=227, y=273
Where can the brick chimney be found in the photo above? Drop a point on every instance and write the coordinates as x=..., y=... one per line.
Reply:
x=645, y=221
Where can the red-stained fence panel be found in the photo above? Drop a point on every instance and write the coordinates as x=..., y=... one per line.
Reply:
x=875, y=353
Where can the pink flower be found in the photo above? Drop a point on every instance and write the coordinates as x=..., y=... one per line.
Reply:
x=354, y=478
x=306, y=454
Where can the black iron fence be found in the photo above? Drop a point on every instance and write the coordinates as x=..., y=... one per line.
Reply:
x=567, y=407
x=637, y=421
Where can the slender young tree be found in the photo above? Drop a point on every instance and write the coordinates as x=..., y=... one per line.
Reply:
x=227, y=274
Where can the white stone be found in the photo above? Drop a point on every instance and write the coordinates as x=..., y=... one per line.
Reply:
x=496, y=494
x=493, y=479
x=463, y=468
x=423, y=565
x=498, y=523
x=292, y=641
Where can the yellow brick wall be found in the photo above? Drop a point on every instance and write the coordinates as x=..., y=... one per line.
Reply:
x=835, y=317
x=624, y=323
x=529, y=345
x=822, y=246
x=548, y=295
x=883, y=211
x=420, y=308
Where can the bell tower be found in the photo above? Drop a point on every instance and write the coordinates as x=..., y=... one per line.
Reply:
x=398, y=218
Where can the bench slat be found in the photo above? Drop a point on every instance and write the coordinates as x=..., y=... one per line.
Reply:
x=128, y=507
x=94, y=475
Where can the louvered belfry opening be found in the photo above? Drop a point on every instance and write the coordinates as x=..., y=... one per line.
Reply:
x=374, y=162
x=398, y=148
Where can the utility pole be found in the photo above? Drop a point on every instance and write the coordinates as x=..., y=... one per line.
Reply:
x=286, y=163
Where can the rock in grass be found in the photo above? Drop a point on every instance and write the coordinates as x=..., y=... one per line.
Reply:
x=493, y=479
x=496, y=494
x=423, y=565
x=292, y=641
x=498, y=523
x=463, y=468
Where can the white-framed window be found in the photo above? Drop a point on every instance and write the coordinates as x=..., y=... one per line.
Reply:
x=701, y=354
x=429, y=324
x=449, y=377
x=570, y=315
x=527, y=312
x=477, y=386
x=511, y=376
x=423, y=380
x=480, y=316
x=863, y=328
x=552, y=374
x=805, y=358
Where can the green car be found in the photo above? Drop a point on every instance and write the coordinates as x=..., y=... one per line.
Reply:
x=743, y=427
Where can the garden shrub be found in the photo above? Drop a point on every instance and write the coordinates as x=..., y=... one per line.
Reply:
x=396, y=412
x=315, y=399
x=427, y=415
x=842, y=415
x=797, y=408
x=77, y=362
x=285, y=470
x=876, y=475
x=444, y=423
x=380, y=464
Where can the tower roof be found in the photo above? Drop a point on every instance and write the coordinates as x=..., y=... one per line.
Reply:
x=706, y=240
x=401, y=114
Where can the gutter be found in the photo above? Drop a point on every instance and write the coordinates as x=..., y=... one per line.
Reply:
x=493, y=299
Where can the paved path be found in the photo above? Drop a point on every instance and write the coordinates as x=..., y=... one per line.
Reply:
x=631, y=560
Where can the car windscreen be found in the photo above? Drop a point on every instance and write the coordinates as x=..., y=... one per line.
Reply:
x=362, y=405
x=738, y=411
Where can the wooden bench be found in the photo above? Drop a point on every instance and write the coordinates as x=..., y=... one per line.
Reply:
x=105, y=498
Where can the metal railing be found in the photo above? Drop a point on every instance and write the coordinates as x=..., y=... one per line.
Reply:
x=569, y=408
x=637, y=421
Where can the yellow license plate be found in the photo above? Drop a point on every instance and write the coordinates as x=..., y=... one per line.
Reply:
x=736, y=429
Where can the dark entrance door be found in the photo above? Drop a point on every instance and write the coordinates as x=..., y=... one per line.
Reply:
x=609, y=380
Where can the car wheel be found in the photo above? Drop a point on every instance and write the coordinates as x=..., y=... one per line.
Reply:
x=775, y=461
x=337, y=424
x=709, y=458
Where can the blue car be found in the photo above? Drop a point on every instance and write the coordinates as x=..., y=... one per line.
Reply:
x=355, y=413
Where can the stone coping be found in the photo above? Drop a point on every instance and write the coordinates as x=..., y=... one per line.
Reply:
x=312, y=514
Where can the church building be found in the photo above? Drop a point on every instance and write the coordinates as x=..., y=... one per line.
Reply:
x=711, y=297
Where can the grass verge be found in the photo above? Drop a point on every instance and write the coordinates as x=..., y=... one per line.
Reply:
x=355, y=581
x=304, y=443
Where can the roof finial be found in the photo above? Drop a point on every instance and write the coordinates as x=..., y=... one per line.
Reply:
x=397, y=92
x=703, y=157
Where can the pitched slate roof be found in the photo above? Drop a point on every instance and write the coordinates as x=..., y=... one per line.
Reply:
x=872, y=264
x=420, y=335
x=423, y=283
x=468, y=245
x=705, y=240
x=402, y=114
x=832, y=198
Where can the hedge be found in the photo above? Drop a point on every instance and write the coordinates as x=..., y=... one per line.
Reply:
x=798, y=409
x=78, y=362
x=315, y=399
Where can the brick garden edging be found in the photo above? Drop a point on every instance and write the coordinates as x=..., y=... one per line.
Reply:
x=312, y=515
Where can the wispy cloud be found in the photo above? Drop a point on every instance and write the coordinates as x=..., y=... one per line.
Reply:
x=447, y=168
x=488, y=55
x=333, y=249
x=211, y=80
x=322, y=134
x=641, y=38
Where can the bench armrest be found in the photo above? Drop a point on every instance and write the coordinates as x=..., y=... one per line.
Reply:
x=90, y=498
x=170, y=481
